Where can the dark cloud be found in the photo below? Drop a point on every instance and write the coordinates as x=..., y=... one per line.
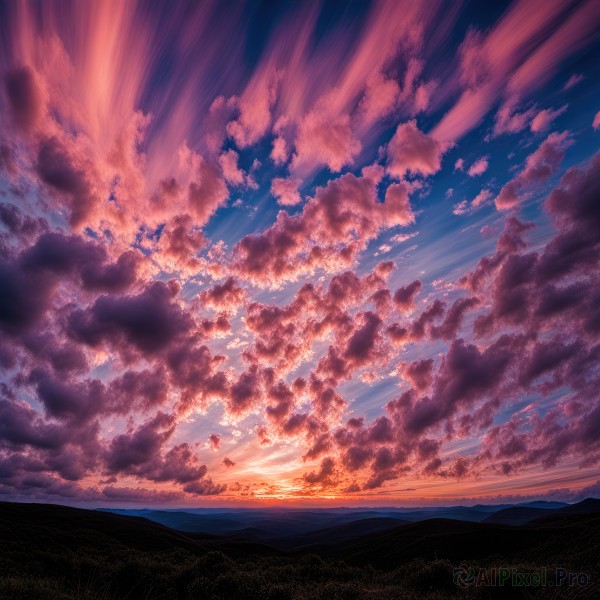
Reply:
x=24, y=97
x=404, y=297
x=55, y=168
x=21, y=425
x=149, y=321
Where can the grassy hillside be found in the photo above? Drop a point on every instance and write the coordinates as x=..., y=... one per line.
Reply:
x=58, y=552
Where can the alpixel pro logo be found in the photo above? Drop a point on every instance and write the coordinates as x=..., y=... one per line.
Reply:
x=466, y=576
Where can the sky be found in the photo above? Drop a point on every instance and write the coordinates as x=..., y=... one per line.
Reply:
x=300, y=254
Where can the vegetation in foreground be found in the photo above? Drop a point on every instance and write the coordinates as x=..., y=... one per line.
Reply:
x=57, y=552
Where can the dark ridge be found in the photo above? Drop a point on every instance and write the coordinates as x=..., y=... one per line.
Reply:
x=589, y=506
x=51, y=551
x=336, y=535
x=460, y=541
x=51, y=524
x=188, y=522
x=517, y=515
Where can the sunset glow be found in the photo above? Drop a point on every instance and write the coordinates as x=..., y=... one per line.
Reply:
x=316, y=253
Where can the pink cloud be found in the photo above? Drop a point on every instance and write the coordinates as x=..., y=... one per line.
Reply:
x=180, y=243
x=575, y=79
x=418, y=374
x=280, y=153
x=133, y=300
x=501, y=63
x=412, y=151
x=24, y=97
x=229, y=165
x=380, y=97
x=510, y=120
x=227, y=297
x=479, y=167
x=396, y=197
x=286, y=191
x=218, y=116
x=461, y=208
x=542, y=121
x=464, y=207
x=325, y=139
x=255, y=106
x=539, y=166
x=404, y=296
x=332, y=228
x=207, y=191
x=214, y=439
x=482, y=197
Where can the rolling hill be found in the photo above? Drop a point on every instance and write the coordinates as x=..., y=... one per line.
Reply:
x=51, y=551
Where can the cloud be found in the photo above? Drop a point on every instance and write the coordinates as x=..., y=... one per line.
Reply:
x=138, y=495
x=543, y=120
x=227, y=297
x=135, y=300
x=510, y=120
x=231, y=171
x=214, y=440
x=206, y=192
x=56, y=168
x=479, y=167
x=254, y=107
x=539, y=166
x=205, y=487
x=412, y=151
x=24, y=97
x=30, y=278
x=279, y=154
x=324, y=476
x=149, y=321
x=464, y=207
x=22, y=426
x=573, y=80
x=179, y=243
x=418, y=374
x=396, y=197
x=286, y=191
x=481, y=198
x=130, y=451
x=531, y=292
x=140, y=453
x=502, y=64
x=404, y=296
x=380, y=97
x=325, y=139
x=332, y=228
x=452, y=322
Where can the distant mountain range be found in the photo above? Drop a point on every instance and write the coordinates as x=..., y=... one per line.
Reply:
x=283, y=527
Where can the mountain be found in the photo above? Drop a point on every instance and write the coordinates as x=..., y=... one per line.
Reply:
x=544, y=504
x=51, y=524
x=589, y=506
x=569, y=539
x=277, y=523
x=517, y=515
x=542, y=512
x=185, y=521
x=50, y=551
x=338, y=534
